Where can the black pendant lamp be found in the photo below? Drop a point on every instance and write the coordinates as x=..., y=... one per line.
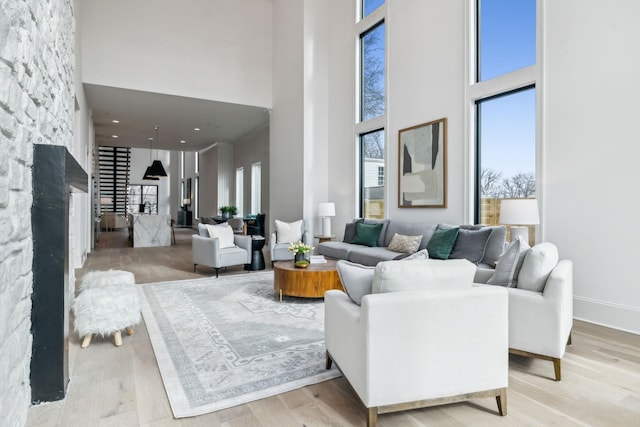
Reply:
x=156, y=170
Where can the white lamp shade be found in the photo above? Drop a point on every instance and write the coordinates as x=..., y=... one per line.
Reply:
x=186, y=201
x=106, y=200
x=327, y=209
x=519, y=212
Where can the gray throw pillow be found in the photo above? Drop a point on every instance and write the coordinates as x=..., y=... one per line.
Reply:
x=509, y=264
x=470, y=244
x=495, y=245
x=350, y=231
x=420, y=255
x=356, y=279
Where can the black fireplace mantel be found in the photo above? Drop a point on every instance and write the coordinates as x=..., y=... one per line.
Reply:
x=55, y=174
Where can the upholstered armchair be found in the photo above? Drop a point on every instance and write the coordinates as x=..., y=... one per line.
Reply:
x=237, y=224
x=283, y=235
x=222, y=250
x=540, y=287
x=406, y=349
x=540, y=322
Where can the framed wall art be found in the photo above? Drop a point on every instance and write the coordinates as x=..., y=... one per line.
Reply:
x=422, y=165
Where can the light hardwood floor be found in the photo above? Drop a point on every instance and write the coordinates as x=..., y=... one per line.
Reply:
x=121, y=386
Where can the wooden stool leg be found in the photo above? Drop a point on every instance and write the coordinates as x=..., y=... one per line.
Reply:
x=86, y=341
x=129, y=330
x=117, y=338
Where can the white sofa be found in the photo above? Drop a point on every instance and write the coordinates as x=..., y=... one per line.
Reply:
x=405, y=348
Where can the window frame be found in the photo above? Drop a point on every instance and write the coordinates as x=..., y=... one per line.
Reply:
x=513, y=81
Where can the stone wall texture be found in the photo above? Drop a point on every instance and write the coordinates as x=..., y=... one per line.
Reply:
x=36, y=106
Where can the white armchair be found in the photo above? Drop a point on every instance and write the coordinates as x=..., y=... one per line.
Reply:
x=540, y=322
x=410, y=349
x=210, y=252
x=283, y=236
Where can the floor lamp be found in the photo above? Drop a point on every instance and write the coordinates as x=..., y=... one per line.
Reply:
x=519, y=214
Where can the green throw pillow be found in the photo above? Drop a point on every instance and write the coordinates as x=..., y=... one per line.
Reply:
x=367, y=234
x=441, y=243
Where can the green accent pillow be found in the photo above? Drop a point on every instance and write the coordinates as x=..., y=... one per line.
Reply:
x=441, y=243
x=367, y=234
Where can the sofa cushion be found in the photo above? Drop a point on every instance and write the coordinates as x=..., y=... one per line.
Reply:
x=367, y=234
x=470, y=244
x=441, y=243
x=393, y=276
x=223, y=232
x=288, y=232
x=337, y=250
x=509, y=264
x=405, y=244
x=202, y=230
x=383, y=230
x=356, y=279
x=537, y=265
x=370, y=256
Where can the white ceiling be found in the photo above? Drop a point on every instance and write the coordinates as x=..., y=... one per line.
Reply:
x=176, y=117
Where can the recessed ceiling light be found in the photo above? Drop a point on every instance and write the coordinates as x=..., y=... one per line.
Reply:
x=115, y=121
x=114, y=136
x=196, y=129
x=182, y=141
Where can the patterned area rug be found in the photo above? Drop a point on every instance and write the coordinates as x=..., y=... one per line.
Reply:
x=227, y=341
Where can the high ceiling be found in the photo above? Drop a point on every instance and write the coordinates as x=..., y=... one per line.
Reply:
x=138, y=113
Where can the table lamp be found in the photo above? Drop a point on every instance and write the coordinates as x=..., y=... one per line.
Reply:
x=519, y=213
x=186, y=203
x=326, y=211
x=105, y=201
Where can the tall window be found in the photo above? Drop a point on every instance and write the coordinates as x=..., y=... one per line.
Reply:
x=143, y=198
x=505, y=108
x=370, y=132
x=196, y=199
x=256, y=187
x=197, y=163
x=240, y=191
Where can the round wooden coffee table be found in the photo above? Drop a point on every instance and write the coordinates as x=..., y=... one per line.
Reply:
x=310, y=282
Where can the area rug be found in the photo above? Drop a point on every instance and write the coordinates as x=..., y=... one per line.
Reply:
x=227, y=341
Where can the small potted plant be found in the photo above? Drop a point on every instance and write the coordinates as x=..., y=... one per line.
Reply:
x=224, y=210
x=233, y=210
x=299, y=250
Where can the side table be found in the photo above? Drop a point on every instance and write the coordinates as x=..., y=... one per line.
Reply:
x=257, y=257
x=322, y=239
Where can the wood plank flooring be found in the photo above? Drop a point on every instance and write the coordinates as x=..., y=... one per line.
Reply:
x=121, y=386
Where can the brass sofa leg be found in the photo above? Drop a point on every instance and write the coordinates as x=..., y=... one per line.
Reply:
x=501, y=400
x=372, y=417
x=557, y=368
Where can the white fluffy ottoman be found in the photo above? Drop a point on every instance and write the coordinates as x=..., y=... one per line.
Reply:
x=108, y=302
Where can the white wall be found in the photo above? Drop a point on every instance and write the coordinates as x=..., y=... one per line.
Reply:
x=208, y=49
x=286, y=150
x=591, y=87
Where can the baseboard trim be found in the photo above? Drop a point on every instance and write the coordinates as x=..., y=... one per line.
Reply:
x=616, y=316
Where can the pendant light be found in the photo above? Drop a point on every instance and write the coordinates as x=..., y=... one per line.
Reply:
x=156, y=170
x=147, y=174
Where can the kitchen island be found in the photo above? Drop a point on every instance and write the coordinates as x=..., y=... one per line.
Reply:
x=149, y=230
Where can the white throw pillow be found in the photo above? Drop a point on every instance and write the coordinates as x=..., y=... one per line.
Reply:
x=537, y=265
x=288, y=232
x=509, y=264
x=393, y=276
x=223, y=232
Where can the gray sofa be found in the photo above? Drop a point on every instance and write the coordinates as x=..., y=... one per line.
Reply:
x=480, y=244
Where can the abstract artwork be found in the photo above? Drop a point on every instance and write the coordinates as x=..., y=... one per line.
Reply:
x=422, y=165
